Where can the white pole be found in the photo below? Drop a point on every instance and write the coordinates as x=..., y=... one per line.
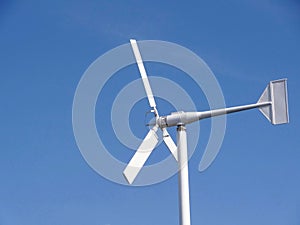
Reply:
x=183, y=177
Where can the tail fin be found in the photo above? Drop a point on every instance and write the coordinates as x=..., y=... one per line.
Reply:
x=276, y=93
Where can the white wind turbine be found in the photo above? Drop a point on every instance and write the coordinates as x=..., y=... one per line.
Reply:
x=272, y=103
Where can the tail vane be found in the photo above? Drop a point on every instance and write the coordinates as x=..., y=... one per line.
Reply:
x=276, y=93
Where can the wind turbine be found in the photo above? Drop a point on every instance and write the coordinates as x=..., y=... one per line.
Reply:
x=272, y=103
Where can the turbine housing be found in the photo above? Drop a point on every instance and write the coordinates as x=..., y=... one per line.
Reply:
x=178, y=118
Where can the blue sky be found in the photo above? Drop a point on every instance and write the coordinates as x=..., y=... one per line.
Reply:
x=45, y=47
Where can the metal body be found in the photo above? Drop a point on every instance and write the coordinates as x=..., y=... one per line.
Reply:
x=272, y=103
x=189, y=117
x=183, y=177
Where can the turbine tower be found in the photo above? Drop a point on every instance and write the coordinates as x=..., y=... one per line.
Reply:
x=272, y=103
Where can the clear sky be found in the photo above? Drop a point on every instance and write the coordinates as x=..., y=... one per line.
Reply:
x=45, y=47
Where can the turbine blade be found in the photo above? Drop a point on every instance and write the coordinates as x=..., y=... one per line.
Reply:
x=170, y=143
x=140, y=157
x=143, y=73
